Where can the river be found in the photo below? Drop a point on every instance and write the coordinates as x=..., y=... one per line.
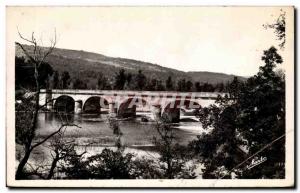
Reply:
x=94, y=134
x=94, y=130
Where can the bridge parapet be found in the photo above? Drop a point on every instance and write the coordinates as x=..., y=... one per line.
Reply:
x=167, y=94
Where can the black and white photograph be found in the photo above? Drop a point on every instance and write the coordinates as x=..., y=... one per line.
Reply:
x=150, y=96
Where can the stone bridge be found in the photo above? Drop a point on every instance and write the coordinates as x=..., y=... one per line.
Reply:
x=126, y=103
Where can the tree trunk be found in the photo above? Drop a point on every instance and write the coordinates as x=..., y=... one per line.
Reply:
x=53, y=166
x=37, y=59
x=28, y=149
x=20, y=170
x=169, y=169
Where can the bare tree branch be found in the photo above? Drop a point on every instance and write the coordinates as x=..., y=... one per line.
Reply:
x=52, y=134
x=37, y=58
x=23, y=38
x=52, y=46
x=26, y=53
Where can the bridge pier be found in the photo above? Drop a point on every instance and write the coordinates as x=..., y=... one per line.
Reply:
x=127, y=112
x=78, y=107
x=172, y=115
x=49, y=101
x=112, y=110
x=156, y=112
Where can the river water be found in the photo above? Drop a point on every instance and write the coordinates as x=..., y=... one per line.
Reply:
x=94, y=135
x=94, y=129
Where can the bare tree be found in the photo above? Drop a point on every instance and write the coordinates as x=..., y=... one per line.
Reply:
x=61, y=148
x=37, y=57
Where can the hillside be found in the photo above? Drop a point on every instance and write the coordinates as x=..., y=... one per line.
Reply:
x=87, y=65
x=212, y=77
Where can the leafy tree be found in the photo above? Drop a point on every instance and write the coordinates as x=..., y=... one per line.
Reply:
x=102, y=82
x=140, y=80
x=23, y=116
x=262, y=115
x=181, y=85
x=220, y=87
x=155, y=85
x=218, y=150
x=198, y=87
x=208, y=87
x=253, y=117
x=120, y=79
x=145, y=168
x=279, y=28
x=55, y=80
x=234, y=87
x=173, y=157
x=76, y=167
x=189, y=86
x=79, y=84
x=65, y=80
x=111, y=165
x=25, y=71
x=160, y=86
x=152, y=84
x=169, y=84
x=128, y=84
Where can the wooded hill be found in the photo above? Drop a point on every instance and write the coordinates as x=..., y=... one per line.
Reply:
x=87, y=66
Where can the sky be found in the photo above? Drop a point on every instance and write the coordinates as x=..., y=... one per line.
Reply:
x=229, y=40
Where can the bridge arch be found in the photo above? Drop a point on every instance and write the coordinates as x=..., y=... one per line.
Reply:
x=64, y=103
x=127, y=107
x=171, y=111
x=94, y=104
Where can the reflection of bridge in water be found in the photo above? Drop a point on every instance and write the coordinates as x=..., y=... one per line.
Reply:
x=126, y=103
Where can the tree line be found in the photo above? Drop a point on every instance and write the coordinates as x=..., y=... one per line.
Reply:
x=122, y=80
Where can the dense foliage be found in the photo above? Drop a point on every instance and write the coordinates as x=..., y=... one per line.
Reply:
x=254, y=119
x=25, y=74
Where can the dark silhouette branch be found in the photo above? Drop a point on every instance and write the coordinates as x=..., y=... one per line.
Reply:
x=26, y=53
x=37, y=58
x=52, y=134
